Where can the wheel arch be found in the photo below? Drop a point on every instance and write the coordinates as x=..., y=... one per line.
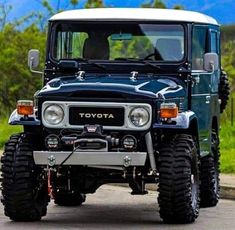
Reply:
x=193, y=130
x=215, y=124
x=16, y=119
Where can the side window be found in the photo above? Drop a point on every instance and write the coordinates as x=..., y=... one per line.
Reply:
x=199, y=46
x=214, y=43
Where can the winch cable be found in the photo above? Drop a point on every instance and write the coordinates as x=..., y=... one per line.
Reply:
x=68, y=157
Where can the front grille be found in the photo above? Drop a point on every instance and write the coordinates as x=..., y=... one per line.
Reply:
x=110, y=115
x=93, y=115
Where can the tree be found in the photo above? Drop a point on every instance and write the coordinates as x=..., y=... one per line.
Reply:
x=159, y=4
x=4, y=11
x=94, y=4
x=178, y=7
x=154, y=4
x=16, y=80
x=74, y=3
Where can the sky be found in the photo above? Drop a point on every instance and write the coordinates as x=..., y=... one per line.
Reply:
x=222, y=10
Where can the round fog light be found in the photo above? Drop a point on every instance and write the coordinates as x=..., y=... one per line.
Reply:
x=52, y=142
x=129, y=142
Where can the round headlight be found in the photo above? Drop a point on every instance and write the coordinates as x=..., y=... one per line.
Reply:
x=53, y=114
x=139, y=116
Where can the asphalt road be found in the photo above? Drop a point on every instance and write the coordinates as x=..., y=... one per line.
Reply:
x=114, y=208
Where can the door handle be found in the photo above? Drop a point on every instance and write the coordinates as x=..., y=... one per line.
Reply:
x=195, y=80
x=208, y=99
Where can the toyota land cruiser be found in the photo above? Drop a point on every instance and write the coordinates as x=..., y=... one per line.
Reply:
x=129, y=96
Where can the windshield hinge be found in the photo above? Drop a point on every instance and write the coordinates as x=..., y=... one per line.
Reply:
x=80, y=75
x=134, y=75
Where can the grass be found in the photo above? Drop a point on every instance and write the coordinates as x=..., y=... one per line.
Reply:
x=227, y=143
x=227, y=148
x=6, y=131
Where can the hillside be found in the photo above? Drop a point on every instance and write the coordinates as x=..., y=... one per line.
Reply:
x=228, y=33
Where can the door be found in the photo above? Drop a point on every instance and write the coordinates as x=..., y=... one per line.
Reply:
x=205, y=84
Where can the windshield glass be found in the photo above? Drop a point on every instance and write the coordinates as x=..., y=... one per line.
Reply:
x=118, y=41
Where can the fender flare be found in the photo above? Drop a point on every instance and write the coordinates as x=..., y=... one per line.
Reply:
x=182, y=121
x=16, y=119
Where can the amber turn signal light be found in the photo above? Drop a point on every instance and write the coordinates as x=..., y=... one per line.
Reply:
x=25, y=107
x=168, y=110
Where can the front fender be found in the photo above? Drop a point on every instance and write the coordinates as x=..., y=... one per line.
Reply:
x=182, y=121
x=16, y=119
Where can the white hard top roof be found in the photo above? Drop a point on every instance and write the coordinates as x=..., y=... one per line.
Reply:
x=133, y=14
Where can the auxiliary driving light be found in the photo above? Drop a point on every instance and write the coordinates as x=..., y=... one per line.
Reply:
x=25, y=107
x=52, y=142
x=129, y=142
x=168, y=110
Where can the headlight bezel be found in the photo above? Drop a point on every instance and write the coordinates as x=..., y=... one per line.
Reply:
x=45, y=119
x=136, y=108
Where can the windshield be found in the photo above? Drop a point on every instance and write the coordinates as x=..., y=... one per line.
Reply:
x=118, y=41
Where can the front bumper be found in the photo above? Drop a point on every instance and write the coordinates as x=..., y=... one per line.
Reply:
x=90, y=158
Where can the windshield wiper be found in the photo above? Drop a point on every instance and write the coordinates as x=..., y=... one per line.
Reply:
x=141, y=61
x=90, y=63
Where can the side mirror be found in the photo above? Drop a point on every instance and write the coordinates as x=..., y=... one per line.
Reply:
x=33, y=58
x=211, y=62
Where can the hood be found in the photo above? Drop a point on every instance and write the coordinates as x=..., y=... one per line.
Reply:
x=114, y=86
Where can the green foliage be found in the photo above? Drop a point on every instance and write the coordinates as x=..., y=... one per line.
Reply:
x=74, y=2
x=50, y=9
x=16, y=80
x=138, y=47
x=94, y=4
x=6, y=131
x=154, y=4
x=227, y=146
x=160, y=4
x=228, y=51
x=228, y=59
x=227, y=33
x=178, y=7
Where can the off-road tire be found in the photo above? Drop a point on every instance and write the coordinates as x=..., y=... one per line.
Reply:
x=69, y=199
x=210, y=175
x=25, y=197
x=178, y=179
x=224, y=90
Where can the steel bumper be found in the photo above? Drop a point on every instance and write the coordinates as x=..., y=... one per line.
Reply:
x=90, y=158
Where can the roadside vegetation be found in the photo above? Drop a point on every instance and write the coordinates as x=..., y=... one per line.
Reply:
x=7, y=130
x=227, y=138
x=227, y=148
x=16, y=81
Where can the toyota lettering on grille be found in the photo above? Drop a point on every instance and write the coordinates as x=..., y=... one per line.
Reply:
x=96, y=115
